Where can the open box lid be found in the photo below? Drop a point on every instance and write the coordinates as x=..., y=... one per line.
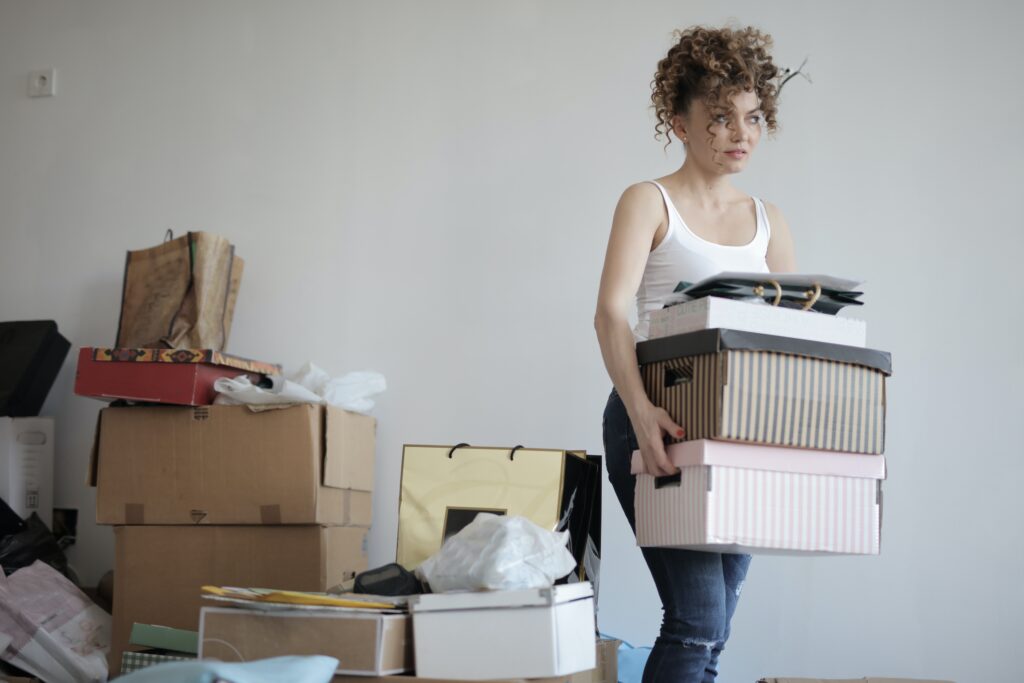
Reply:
x=768, y=458
x=207, y=356
x=529, y=597
x=715, y=340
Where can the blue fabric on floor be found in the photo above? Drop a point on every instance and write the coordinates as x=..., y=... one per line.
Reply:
x=314, y=669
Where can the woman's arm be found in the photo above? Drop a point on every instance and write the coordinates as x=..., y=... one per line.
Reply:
x=780, y=257
x=634, y=226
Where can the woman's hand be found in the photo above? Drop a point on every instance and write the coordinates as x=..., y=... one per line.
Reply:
x=651, y=424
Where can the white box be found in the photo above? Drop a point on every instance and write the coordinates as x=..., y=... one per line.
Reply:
x=533, y=633
x=711, y=312
x=741, y=498
x=26, y=466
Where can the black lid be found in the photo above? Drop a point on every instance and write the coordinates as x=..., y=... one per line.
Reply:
x=31, y=354
x=721, y=339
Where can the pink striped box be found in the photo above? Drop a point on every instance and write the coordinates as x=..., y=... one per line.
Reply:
x=738, y=498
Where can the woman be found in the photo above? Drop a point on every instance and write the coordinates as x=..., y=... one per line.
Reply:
x=714, y=91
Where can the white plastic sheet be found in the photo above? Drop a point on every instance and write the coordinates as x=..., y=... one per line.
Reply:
x=51, y=629
x=498, y=553
x=309, y=384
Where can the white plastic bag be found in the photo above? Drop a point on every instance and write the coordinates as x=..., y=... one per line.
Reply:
x=498, y=553
x=309, y=384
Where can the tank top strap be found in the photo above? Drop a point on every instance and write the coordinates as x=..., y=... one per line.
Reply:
x=762, y=220
x=670, y=212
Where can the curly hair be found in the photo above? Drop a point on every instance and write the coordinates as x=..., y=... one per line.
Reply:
x=714, y=64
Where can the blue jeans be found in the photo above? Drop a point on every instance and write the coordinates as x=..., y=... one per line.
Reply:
x=698, y=590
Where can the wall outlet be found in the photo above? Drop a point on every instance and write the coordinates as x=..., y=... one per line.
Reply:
x=42, y=83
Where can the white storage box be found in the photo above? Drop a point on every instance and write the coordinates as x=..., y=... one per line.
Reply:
x=710, y=312
x=533, y=633
x=26, y=466
x=738, y=498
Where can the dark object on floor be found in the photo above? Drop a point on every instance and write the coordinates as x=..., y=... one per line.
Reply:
x=31, y=354
x=36, y=542
x=391, y=579
x=10, y=521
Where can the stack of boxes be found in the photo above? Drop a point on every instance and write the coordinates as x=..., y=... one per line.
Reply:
x=784, y=412
x=224, y=495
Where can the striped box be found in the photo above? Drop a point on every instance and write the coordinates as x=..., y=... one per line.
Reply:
x=743, y=386
x=756, y=499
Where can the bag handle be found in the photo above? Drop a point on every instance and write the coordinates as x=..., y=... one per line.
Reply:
x=511, y=453
x=812, y=295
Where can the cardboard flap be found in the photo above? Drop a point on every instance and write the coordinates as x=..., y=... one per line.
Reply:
x=770, y=458
x=94, y=453
x=719, y=339
x=349, y=440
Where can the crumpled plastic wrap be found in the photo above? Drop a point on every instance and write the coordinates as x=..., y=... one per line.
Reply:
x=495, y=552
x=51, y=629
x=309, y=384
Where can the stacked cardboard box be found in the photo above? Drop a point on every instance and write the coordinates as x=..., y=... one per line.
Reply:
x=784, y=432
x=224, y=495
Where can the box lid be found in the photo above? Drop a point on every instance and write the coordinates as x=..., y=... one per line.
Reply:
x=530, y=597
x=207, y=356
x=720, y=339
x=31, y=355
x=770, y=458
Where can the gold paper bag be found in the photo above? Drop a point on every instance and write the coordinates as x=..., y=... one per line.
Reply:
x=444, y=487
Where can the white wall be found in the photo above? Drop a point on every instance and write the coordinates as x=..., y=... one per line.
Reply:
x=425, y=189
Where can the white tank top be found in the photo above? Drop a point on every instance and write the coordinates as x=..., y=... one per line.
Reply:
x=682, y=256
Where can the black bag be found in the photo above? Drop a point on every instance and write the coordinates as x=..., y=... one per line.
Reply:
x=31, y=354
x=807, y=294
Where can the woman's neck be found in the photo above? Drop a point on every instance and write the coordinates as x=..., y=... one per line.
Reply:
x=708, y=189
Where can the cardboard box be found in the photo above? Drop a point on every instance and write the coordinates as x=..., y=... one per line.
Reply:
x=606, y=671
x=26, y=466
x=443, y=489
x=158, y=570
x=230, y=465
x=31, y=355
x=737, y=498
x=757, y=388
x=711, y=311
x=849, y=680
x=482, y=635
x=345, y=678
x=173, y=376
x=364, y=642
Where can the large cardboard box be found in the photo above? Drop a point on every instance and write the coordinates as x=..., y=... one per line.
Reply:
x=174, y=376
x=849, y=680
x=758, y=388
x=533, y=633
x=304, y=464
x=159, y=570
x=364, y=642
x=738, y=498
x=26, y=466
x=606, y=671
x=711, y=311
